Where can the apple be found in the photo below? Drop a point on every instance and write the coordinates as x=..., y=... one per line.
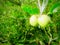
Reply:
x=33, y=20
x=43, y=20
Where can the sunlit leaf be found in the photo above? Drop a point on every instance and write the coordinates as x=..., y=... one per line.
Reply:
x=54, y=8
x=30, y=9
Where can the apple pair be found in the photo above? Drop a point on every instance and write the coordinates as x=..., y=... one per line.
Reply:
x=42, y=20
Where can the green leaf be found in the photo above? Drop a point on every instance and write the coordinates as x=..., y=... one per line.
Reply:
x=30, y=9
x=54, y=8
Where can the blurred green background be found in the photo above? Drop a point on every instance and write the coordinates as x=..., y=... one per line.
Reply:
x=16, y=30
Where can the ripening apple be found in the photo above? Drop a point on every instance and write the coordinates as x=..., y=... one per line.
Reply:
x=33, y=20
x=43, y=20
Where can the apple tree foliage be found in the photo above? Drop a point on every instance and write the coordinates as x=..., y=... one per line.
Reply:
x=15, y=28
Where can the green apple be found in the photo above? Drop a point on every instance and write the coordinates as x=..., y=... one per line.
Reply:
x=43, y=20
x=33, y=20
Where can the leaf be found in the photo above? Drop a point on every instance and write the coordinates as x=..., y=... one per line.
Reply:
x=54, y=8
x=30, y=9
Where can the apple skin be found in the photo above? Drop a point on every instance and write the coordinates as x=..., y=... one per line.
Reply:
x=33, y=20
x=43, y=20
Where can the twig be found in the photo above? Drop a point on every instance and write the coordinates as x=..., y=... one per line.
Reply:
x=43, y=6
x=39, y=5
